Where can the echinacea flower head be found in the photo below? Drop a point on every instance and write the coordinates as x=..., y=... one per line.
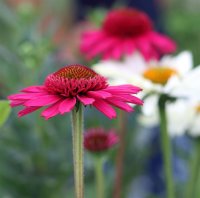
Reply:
x=71, y=85
x=98, y=140
x=123, y=32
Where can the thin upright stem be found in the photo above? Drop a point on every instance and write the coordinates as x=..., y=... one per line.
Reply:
x=195, y=171
x=122, y=126
x=99, y=177
x=77, y=136
x=166, y=149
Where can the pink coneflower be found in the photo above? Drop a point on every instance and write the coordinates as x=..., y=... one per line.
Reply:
x=71, y=85
x=99, y=140
x=123, y=32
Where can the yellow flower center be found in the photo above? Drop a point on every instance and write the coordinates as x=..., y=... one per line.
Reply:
x=159, y=75
x=76, y=72
x=198, y=108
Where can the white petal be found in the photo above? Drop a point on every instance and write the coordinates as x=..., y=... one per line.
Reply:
x=136, y=63
x=150, y=105
x=113, y=70
x=195, y=127
x=183, y=62
x=180, y=115
x=189, y=86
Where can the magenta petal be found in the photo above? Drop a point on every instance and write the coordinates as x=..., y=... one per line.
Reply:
x=119, y=104
x=102, y=47
x=144, y=47
x=15, y=96
x=117, y=51
x=134, y=100
x=25, y=96
x=154, y=54
x=91, y=36
x=90, y=33
x=34, y=89
x=163, y=43
x=105, y=108
x=43, y=100
x=15, y=103
x=67, y=105
x=129, y=46
x=51, y=111
x=85, y=100
x=89, y=42
x=129, y=98
x=27, y=110
x=99, y=94
x=123, y=89
x=107, y=54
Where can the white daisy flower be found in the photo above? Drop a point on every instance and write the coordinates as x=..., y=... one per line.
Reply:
x=180, y=115
x=173, y=76
x=153, y=76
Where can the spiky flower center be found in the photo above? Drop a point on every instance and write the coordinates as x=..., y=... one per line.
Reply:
x=127, y=22
x=159, y=75
x=74, y=80
x=76, y=72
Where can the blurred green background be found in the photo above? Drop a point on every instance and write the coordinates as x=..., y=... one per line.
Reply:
x=36, y=38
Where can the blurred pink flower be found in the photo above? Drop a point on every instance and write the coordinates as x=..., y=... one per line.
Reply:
x=123, y=32
x=70, y=85
x=98, y=139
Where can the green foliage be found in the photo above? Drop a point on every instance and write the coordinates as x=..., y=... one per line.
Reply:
x=182, y=25
x=96, y=16
x=4, y=111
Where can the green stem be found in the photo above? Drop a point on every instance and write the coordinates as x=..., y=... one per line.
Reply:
x=195, y=168
x=166, y=148
x=122, y=128
x=99, y=161
x=77, y=136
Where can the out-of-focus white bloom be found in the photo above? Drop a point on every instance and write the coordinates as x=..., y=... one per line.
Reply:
x=173, y=76
x=186, y=86
x=182, y=115
x=150, y=114
x=153, y=76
